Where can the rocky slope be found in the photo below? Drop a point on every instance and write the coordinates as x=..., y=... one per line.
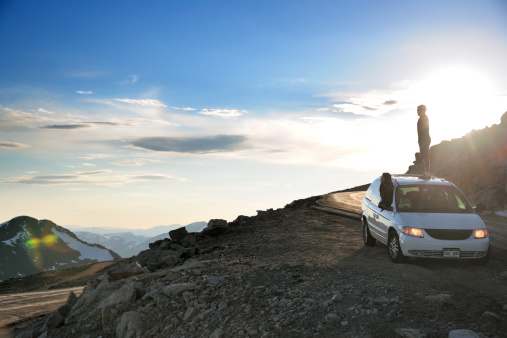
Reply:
x=128, y=244
x=292, y=272
x=477, y=164
x=28, y=246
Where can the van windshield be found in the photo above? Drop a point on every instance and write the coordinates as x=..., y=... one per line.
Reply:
x=431, y=199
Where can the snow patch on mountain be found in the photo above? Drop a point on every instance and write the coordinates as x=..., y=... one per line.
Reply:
x=86, y=251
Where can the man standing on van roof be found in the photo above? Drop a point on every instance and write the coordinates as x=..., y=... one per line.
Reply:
x=424, y=139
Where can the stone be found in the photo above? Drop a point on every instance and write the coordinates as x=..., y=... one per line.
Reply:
x=491, y=315
x=337, y=297
x=381, y=300
x=178, y=234
x=178, y=289
x=126, y=270
x=215, y=231
x=130, y=325
x=57, y=317
x=216, y=334
x=126, y=294
x=439, y=298
x=188, y=241
x=190, y=314
x=465, y=334
x=409, y=333
x=217, y=223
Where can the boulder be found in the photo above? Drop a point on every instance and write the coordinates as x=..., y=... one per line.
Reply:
x=126, y=270
x=126, y=294
x=130, y=325
x=178, y=234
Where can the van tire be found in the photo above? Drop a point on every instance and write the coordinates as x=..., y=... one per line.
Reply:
x=367, y=238
x=394, y=247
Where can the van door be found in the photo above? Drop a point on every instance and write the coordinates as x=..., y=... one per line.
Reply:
x=373, y=211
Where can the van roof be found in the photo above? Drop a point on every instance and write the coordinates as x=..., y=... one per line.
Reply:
x=406, y=179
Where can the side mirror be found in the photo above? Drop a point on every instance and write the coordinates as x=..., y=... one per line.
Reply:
x=480, y=207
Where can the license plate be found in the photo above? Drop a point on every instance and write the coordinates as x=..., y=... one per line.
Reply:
x=450, y=253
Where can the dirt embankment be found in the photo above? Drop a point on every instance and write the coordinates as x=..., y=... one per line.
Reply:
x=302, y=272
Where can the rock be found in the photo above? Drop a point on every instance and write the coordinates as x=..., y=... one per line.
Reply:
x=178, y=289
x=71, y=300
x=439, y=298
x=216, y=334
x=331, y=316
x=210, y=249
x=178, y=234
x=503, y=274
x=189, y=240
x=409, y=333
x=126, y=270
x=492, y=315
x=337, y=297
x=57, y=317
x=293, y=264
x=126, y=294
x=130, y=325
x=465, y=334
x=381, y=300
x=217, y=223
x=169, y=261
x=190, y=314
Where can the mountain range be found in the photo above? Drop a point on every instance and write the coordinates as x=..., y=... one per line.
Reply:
x=130, y=243
x=29, y=246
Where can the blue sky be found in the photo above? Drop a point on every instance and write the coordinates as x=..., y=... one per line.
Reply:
x=137, y=114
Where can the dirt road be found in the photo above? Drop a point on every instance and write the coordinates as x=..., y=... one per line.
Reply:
x=21, y=306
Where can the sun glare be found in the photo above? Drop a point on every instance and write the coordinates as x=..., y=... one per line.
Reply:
x=458, y=100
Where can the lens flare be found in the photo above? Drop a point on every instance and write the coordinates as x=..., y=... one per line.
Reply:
x=33, y=243
x=48, y=241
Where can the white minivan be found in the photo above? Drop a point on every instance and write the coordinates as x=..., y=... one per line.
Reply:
x=428, y=218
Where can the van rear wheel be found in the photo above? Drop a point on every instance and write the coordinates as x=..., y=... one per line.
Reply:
x=367, y=238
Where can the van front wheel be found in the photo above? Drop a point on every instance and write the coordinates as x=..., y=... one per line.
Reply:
x=394, y=248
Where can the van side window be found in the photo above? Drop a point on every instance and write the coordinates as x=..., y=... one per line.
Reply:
x=374, y=192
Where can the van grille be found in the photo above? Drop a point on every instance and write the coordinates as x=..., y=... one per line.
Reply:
x=435, y=253
x=449, y=235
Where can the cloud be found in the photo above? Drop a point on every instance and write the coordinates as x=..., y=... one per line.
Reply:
x=153, y=103
x=131, y=80
x=135, y=162
x=42, y=110
x=185, y=109
x=390, y=102
x=226, y=113
x=65, y=126
x=12, y=145
x=200, y=145
x=83, y=92
x=99, y=177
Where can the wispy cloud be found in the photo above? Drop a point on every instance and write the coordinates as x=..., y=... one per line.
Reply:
x=42, y=110
x=226, y=113
x=65, y=126
x=99, y=177
x=130, y=80
x=200, y=145
x=12, y=145
x=134, y=162
x=84, y=92
x=185, y=109
x=146, y=102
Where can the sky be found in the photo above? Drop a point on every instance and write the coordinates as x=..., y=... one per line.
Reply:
x=144, y=113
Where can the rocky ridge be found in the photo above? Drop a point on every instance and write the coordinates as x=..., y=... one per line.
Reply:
x=284, y=273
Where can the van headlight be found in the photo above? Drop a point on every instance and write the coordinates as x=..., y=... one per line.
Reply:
x=416, y=232
x=481, y=233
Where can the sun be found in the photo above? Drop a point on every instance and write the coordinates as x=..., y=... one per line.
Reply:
x=458, y=99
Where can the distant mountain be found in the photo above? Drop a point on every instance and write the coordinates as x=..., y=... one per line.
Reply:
x=128, y=244
x=151, y=232
x=29, y=246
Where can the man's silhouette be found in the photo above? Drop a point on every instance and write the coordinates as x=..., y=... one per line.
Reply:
x=424, y=139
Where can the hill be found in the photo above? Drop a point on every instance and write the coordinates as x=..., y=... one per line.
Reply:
x=477, y=164
x=29, y=246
